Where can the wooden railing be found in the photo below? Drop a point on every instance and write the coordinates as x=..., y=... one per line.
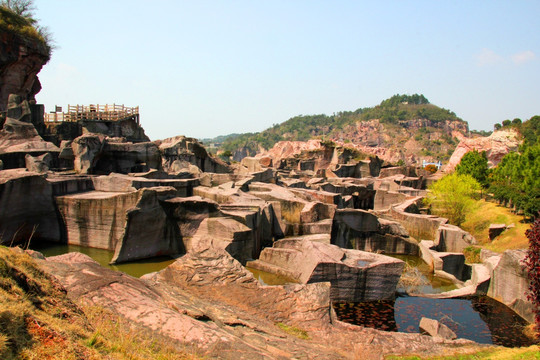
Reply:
x=96, y=112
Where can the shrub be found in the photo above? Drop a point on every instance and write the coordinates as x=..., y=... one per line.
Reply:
x=453, y=197
x=431, y=168
x=532, y=264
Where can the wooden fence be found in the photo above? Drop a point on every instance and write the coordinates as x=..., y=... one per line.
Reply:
x=96, y=112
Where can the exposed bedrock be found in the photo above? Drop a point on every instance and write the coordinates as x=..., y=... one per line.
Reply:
x=419, y=226
x=362, y=230
x=181, y=148
x=209, y=302
x=445, y=264
x=21, y=59
x=96, y=154
x=451, y=238
x=126, y=183
x=133, y=225
x=355, y=276
x=509, y=282
x=27, y=208
x=19, y=137
x=223, y=233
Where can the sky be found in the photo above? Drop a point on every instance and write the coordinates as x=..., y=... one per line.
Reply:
x=207, y=68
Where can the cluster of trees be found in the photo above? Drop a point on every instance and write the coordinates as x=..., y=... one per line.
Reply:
x=305, y=127
x=514, y=182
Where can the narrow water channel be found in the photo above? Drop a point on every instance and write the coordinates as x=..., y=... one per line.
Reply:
x=103, y=257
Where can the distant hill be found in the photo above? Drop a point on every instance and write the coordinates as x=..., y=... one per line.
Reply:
x=391, y=124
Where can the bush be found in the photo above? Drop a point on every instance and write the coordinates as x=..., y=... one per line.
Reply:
x=532, y=264
x=453, y=196
x=431, y=168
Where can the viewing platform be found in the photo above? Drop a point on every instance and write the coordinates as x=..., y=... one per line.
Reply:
x=96, y=112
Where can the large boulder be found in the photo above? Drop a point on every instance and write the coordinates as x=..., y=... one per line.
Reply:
x=451, y=238
x=38, y=164
x=96, y=154
x=19, y=137
x=190, y=150
x=356, y=276
x=225, y=234
x=435, y=328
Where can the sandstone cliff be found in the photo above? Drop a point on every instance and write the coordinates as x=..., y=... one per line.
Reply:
x=496, y=146
x=21, y=59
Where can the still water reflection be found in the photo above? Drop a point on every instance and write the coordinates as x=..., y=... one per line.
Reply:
x=135, y=268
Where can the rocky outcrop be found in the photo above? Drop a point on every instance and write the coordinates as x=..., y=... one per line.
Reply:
x=96, y=154
x=208, y=302
x=181, y=148
x=355, y=276
x=133, y=225
x=27, y=210
x=451, y=238
x=509, y=282
x=362, y=230
x=496, y=146
x=19, y=137
x=21, y=59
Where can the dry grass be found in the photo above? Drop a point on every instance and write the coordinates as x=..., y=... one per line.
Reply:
x=38, y=321
x=528, y=353
x=486, y=213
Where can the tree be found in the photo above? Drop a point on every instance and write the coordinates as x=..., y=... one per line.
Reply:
x=453, y=197
x=516, y=121
x=24, y=8
x=506, y=123
x=476, y=165
x=516, y=180
x=497, y=126
x=532, y=265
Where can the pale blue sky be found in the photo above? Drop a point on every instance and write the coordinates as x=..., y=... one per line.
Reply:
x=208, y=68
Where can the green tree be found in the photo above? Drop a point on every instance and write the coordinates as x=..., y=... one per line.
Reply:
x=506, y=123
x=516, y=180
x=497, y=126
x=476, y=165
x=453, y=196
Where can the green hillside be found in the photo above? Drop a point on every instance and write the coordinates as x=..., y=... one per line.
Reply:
x=392, y=111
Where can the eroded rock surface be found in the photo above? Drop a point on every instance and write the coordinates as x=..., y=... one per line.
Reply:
x=209, y=302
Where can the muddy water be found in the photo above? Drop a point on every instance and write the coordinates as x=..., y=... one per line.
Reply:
x=266, y=278
x=135, y=268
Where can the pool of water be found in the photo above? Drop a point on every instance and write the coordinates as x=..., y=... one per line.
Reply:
x=267, y=278
x=480, y=319
x=134, y=268
x=417, y=278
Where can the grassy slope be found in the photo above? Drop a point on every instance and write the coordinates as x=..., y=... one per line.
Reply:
x=530, y=353
x=487, y=213
x=38, y=321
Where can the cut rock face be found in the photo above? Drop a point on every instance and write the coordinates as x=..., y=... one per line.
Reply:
x=133, y=225
x=27, y=207
x=355, y=276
